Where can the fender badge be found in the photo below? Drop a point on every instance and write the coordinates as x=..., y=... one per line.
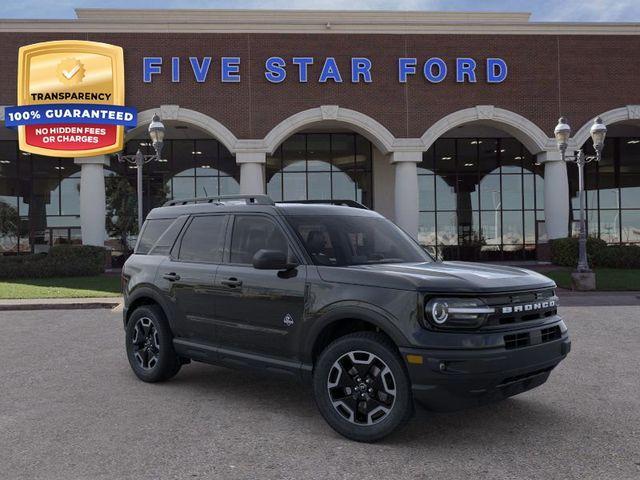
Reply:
x=287, y=320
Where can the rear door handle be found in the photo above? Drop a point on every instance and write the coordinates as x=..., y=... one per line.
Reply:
x=231, y=282
x=172, y=276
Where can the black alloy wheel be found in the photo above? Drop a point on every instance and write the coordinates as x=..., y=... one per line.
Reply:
x=361, y=386
x=149, y=344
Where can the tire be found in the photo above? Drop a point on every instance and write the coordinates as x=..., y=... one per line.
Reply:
x=370, y=402
x=149, y=344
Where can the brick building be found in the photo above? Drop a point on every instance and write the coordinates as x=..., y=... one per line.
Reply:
x=443, y=122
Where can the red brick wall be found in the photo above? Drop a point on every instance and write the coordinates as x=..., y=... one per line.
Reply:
x=578, y=76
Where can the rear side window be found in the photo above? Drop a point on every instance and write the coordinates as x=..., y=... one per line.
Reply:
x=167, y=239
x=204, y=239
x=151, y=233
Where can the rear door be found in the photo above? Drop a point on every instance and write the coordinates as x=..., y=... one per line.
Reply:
x=259, y=311
x=188, y=275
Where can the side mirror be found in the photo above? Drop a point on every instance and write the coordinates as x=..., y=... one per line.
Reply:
x=271, y=260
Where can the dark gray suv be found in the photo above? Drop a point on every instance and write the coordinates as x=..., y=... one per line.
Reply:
x=336, y=295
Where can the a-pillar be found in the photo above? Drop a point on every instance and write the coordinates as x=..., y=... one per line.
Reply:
x=251, y=172
x=556, y=194
x=93, y=208
x=406, y=190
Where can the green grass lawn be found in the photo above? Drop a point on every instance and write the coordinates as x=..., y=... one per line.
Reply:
x=610, y=279
x=69, y=287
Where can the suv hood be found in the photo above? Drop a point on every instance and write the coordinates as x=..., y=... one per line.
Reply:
x=450, y=277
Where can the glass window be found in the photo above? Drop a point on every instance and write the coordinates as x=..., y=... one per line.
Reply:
x=206, y=186
x=630, y=226
x=427, y=228
x=342, y=184
x=151, y=231
x=321, y=166
x=320, y=186
x=252, y=233
x=356, y=240
x=319, y=152
x=426, y=189
x=445, y=194
x=512, y=192
x=203, y=240
x=630, y=190
x=609, y=226
x=164, y=244
x=182, y=163
x=490, y=198
x=294, y=153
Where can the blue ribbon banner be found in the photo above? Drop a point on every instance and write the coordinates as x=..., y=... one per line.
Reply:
x=70, y=113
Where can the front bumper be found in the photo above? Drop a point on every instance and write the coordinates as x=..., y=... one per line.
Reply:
x=452, y=379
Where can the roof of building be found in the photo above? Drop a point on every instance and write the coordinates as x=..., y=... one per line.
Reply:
x=311, y=21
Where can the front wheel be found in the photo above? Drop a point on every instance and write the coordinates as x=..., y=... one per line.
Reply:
x=362, y=388
x=150, y=345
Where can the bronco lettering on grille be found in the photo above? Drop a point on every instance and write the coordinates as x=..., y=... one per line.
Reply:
x=529, y=307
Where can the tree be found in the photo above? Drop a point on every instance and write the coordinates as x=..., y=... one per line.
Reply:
x=122, y=215
x=9, y=221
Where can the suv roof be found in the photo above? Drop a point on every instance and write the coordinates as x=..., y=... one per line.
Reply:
x=258, y=203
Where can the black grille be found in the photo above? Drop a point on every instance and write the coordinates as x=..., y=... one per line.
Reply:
x=551, y=333
x=524, y=339
x=521, y=307
x=517, y=340
x=524, y=376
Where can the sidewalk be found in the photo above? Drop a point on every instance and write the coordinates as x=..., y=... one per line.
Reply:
x=59, y=303
x=570, y=298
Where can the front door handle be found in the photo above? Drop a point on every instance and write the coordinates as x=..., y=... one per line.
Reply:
x=172, y=276
x=231, y=282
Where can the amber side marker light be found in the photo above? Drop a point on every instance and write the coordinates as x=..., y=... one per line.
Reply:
x=414, y=359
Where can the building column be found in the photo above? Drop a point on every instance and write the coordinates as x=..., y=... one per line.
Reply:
x=251, y=172
x=406, y=190
x=556, y=194
x=93, y=208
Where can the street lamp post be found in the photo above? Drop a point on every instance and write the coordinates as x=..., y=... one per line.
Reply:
x=562, y=133
x=156, y=133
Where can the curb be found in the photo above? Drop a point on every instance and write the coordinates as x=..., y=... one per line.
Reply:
x=57, y=305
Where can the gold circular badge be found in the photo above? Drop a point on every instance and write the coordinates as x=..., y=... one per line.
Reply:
x=70, y=71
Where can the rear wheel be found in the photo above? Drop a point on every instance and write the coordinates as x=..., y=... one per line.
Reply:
x=149, y=345
x=362, y=388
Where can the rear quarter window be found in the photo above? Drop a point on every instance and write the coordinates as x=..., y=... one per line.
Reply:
x=151, y=232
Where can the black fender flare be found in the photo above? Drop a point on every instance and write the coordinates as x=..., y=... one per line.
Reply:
x=147, y=291
x=352, y=310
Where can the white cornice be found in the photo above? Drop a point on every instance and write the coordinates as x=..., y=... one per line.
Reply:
x=297, y=21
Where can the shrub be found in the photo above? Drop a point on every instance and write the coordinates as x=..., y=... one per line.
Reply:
x=564, y=252
x=61, y=261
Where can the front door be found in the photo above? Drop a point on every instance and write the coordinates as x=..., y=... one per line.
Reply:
x=258, y=311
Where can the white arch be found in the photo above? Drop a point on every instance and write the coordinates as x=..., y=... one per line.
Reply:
x=200, y=120
x=630, y=112
x=359, y=122
x=531, y=136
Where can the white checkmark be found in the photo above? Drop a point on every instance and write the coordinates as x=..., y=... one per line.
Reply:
x=70, y=74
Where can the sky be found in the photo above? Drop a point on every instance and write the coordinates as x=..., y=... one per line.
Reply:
x=542, y=10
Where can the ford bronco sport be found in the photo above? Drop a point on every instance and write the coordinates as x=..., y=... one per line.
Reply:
x=336, y=295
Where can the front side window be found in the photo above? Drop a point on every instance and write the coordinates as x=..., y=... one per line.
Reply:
x=204, y=239
x=354, y=240
x=252, y=233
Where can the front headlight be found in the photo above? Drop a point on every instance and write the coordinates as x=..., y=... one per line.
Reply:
x=457, y=312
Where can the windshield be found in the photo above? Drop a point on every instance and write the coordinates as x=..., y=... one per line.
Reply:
x=355, y=240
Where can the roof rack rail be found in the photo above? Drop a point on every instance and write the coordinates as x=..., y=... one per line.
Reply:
x=343, y=203
x=221, y=199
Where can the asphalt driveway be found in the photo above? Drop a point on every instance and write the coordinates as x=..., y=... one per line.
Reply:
x=71, y=409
